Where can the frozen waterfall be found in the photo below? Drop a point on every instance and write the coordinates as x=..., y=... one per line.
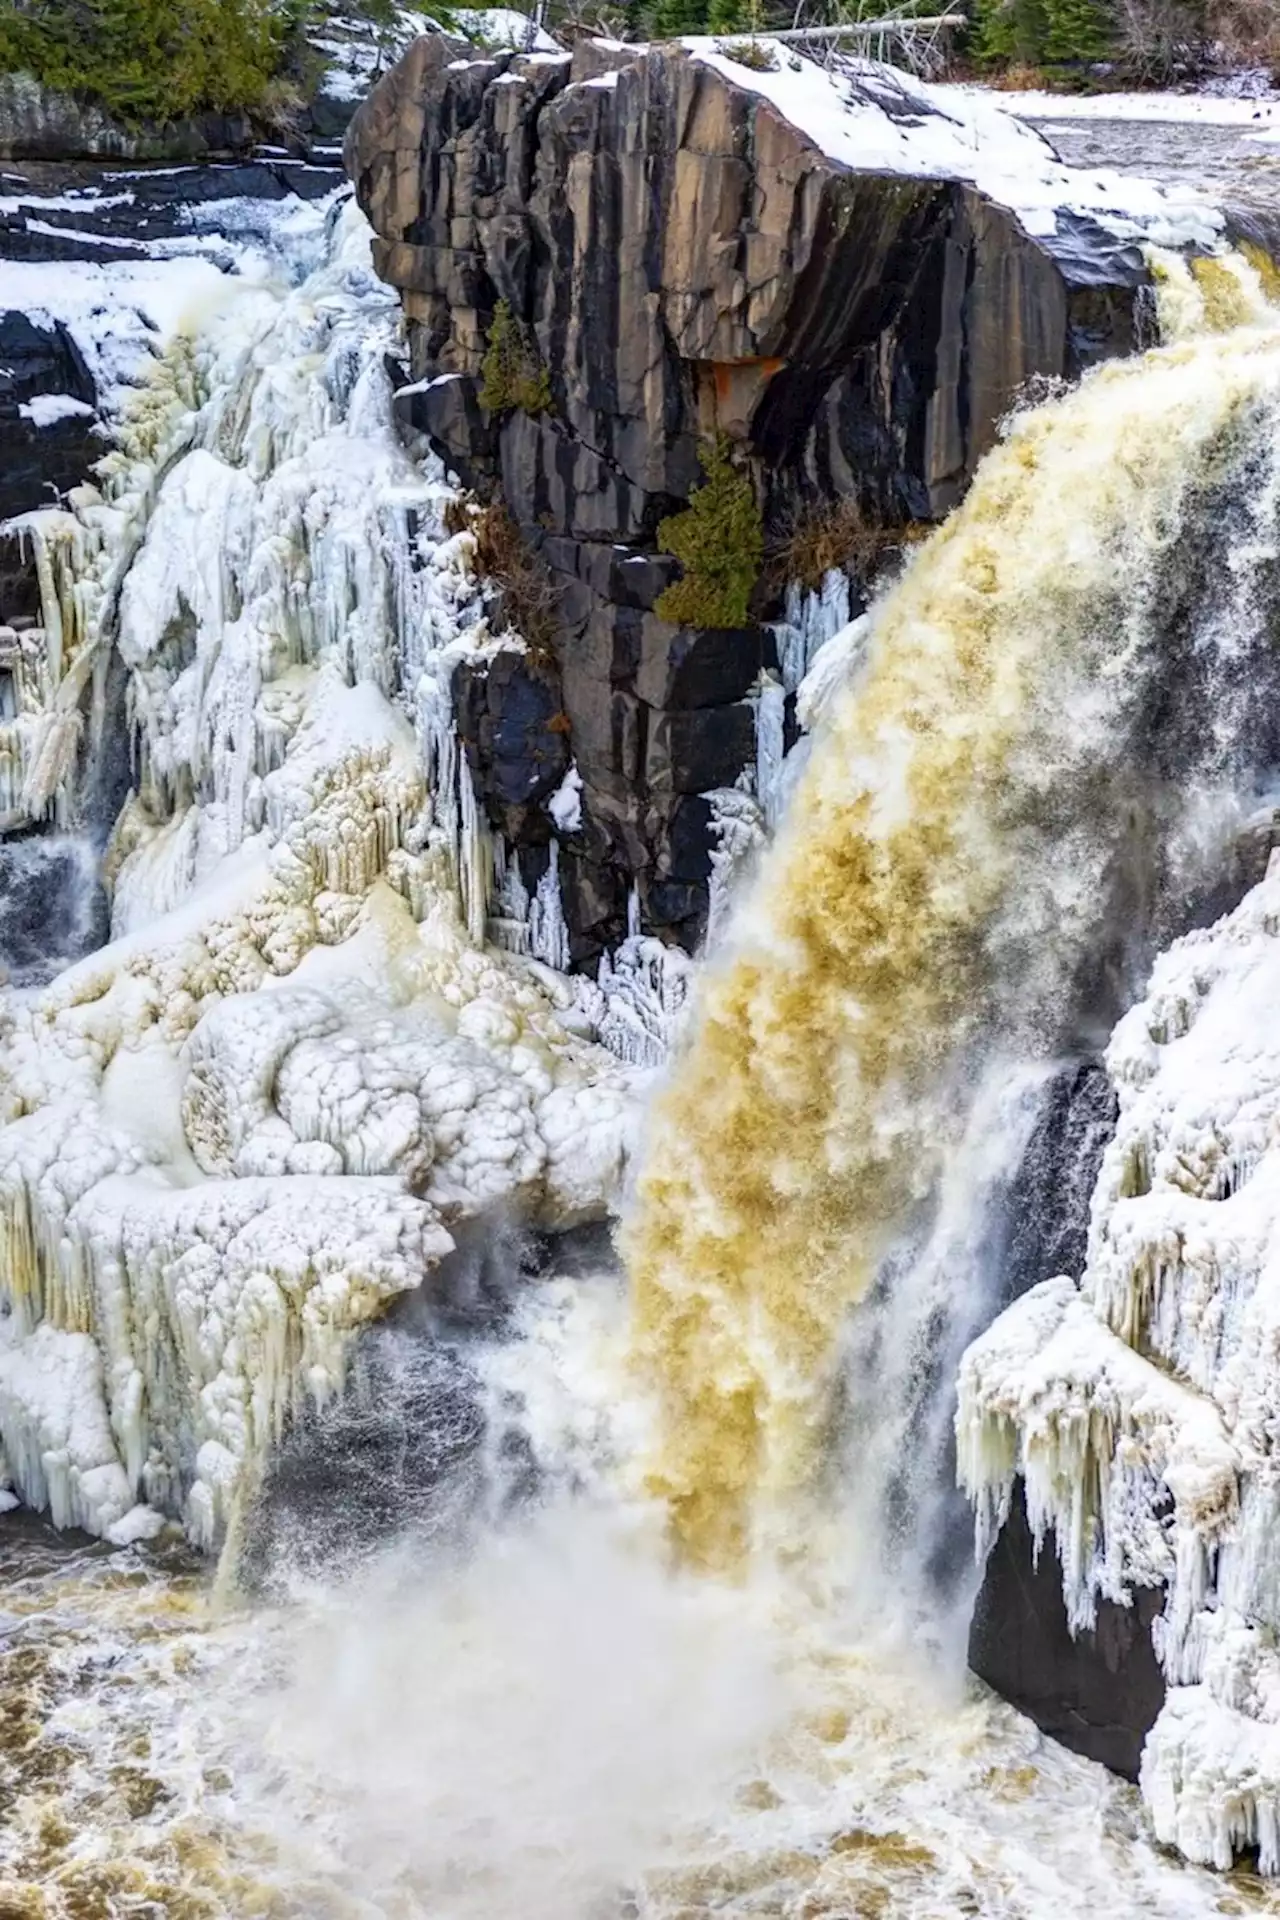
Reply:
x=332, y=1046
x=240, y=1129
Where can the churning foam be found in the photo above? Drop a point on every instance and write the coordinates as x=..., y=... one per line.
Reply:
x=549, y=1726
x=1044, y=759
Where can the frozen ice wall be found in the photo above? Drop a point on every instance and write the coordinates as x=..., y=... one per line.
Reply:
x=236, y=1132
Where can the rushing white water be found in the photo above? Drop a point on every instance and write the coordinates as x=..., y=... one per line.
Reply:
x=539, y=1721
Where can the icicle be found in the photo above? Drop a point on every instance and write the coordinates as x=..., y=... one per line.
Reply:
x=810, y=620
x=738, y=827
x=510, y=920
x=770, y=704
x=548, y=931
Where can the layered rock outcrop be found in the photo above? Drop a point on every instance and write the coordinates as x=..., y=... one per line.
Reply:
x=685, y=261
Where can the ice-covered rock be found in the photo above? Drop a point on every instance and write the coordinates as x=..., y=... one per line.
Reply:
x=1140, y=1408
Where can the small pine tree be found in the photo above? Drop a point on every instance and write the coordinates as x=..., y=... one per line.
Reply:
x=511, y=373
x=719, y=541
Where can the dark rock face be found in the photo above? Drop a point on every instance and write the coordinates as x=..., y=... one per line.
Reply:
x=687, y=263
x=41, y=456
x=37, y=123
x=1100, y=1693
x=514, y=731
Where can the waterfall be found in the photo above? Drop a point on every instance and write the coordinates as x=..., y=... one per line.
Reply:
x=1064, y=712
x=274, y=1158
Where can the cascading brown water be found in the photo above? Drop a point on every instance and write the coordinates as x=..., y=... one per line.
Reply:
x=1067, y=706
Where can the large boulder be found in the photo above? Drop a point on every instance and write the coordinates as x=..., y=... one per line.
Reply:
x=1098, y=1691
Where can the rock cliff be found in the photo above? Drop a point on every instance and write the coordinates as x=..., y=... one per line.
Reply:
x=685, y=260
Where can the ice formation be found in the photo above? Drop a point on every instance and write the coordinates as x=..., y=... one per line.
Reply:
x=234, y=1134
x=1140, y=1407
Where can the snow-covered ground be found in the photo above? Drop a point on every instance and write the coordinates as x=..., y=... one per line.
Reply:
x=357, y=51
x=123, y=313
x=1259, y=116
x=874, y=117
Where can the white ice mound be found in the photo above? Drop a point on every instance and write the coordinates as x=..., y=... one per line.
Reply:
x=1142, y=1408
x=237, y=1133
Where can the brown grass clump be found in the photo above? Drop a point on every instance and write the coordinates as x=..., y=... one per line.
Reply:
x=1246, y=32
x=530, y=599
x=1019, y=78
x=459, y=511
x=836, y=536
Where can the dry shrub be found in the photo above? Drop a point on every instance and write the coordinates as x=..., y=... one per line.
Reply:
x=459, y=512
x=836, y=536
x=530, y=598
x=579, y=20
x=1160, y=40
x=1018, y=78
x=1246, y=32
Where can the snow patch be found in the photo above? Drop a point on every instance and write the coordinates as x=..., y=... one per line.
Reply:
x=46, y=409
x=565, y=804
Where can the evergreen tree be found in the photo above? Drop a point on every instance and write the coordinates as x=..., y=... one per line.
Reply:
x=1077, y=30
x=719, y=541
x=1038, y=33
x=733, y=16
x=149, y=59
x=673, y=18
x=1011, y=30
